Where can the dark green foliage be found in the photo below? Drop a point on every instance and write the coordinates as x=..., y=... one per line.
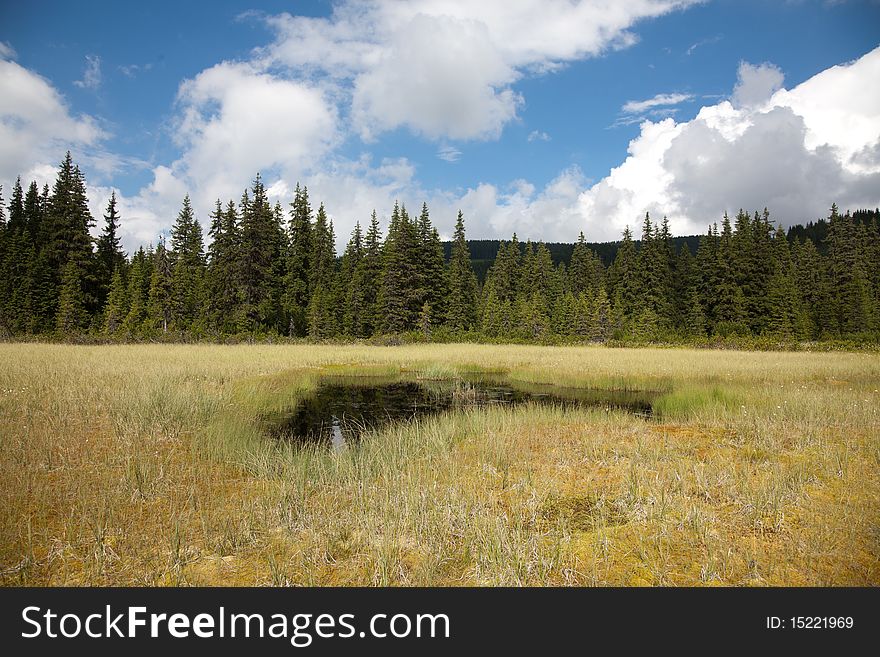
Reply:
x=585, y=272
x=139, y=279
x=299, y=253
x=853, y=304
x=117, y=304
x=110, y=256
x=187, y=261
x=72, y=317
x=222, y=279
x=400, y=291
x=361, y=317
x=461, y=310
x=260, y=277
x=261, y=245
x=624, y=278
x=434, y=281
x=160, y=306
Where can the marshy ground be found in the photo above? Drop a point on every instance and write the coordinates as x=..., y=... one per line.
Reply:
x=149, y=465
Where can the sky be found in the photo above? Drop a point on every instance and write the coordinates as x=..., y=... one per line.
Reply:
x=540, y=117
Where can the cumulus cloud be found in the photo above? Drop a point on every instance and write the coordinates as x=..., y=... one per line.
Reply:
x=538, y=135
x=756, y=84
x=91, y=78
x=445, y=68
x=236, y=120
x=36, y=126
x=795, y=151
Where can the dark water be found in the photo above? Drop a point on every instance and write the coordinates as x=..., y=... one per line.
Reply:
x=342, y=408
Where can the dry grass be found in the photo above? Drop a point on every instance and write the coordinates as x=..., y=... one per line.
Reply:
x=143, y=465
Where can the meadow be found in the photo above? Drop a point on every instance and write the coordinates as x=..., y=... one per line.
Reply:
x=146, y=465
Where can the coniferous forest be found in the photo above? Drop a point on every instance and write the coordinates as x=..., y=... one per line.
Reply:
x=271, y=271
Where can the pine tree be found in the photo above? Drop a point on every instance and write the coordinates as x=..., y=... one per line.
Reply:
x=602, y=316
x=504, y=274
x=187, y=261
x=623, y=281
x=322, y=309
x=362, y=318
x=585, y=272
x=694, y=319
x=117, y=303
x=461, y=313
x=222, y=291
x=260, y=245
x=69, y=221
x=495, y=321
x=161, y=303
x=785, y=318
x=140, y=276
x=849, y=280
x=349, y=314
x=813, y=287
x=110, y=255
x=399, y=291
x=72, y=316
x=729, y=301
x=17, y=220
x=434, y=280
x=654, y=287
x=296, y=283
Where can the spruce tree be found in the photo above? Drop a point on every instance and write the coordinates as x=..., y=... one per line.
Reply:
x=461, y=313
x=322, y=308
x=348, y=314
x=69, y=221
x=849, y=280
x=624, y=277
x=187, y=262
x=140, y=276
x=296, y=283
x=161, y=302
x=117, y=303
x=399, y=291
x=362, y=318
x=110, y=255
x=785, y=317
x=434, y=281
x=260, y=245
x=585, y=272
x=72, y=316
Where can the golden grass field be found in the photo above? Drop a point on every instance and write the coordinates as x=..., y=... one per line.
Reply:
x=143, y=465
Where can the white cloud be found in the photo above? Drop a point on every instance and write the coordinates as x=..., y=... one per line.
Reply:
x=701, y=43
x=236, y=121
x=36, y=126
x=756, y=84
x=795, y=151
x=660, y=100
x=444, y=68
x=131, y=70
x=91, y=75
x=449, y=153
x=7, y=51
x=538, y=135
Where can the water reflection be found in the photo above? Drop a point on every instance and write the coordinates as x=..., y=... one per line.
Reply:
x=340, y=409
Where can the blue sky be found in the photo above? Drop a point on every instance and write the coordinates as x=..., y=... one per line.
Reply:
x=519, y=113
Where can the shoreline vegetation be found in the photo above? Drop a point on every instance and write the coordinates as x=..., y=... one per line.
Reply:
x=146, y=465
x=272, y=274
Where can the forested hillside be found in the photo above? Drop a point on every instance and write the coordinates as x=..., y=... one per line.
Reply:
x=273, y=271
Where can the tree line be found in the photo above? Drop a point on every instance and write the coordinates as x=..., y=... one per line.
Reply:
x=271, y=271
